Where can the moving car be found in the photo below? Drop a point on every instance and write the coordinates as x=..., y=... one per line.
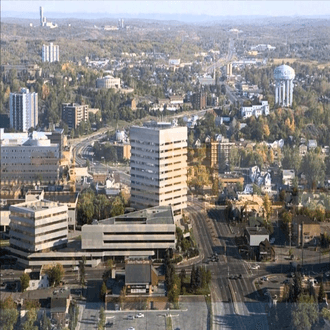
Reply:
x=139, y=315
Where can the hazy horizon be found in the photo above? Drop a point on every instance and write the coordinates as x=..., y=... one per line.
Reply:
x=75, y=9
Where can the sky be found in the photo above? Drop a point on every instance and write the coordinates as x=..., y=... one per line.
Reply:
x=212, y=8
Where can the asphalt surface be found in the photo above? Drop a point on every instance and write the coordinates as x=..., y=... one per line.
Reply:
x=235, y=302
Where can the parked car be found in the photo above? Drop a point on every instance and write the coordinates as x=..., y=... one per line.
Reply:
x=139, y=315
x=130, y=317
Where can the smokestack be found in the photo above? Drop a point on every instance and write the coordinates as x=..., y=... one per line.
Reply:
x=41, y=16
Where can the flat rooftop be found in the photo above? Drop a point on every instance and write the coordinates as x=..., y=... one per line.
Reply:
x=257, y=231
x=153, y=215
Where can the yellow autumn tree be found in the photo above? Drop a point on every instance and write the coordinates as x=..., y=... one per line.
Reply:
x=265, y=129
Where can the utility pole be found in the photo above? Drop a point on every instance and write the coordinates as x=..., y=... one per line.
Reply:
x=302, y=244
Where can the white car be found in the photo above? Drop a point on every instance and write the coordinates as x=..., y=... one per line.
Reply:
x=139, y=315
x=255, y=266
x=131, y=328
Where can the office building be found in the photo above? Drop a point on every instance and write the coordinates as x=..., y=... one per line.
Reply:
x=108, y=82
x=50, y=53
x=28, y=158
x=23, y=110
x=159, y=166
x=148, y=232
x=284, y=76
x=73, y=114
x=37, y=226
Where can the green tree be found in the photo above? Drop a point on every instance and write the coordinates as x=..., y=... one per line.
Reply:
x=45, y=322
x=103, y=290
x=297, y=286
x=31, y=318
x=8, y=314
x=321, y=295
x=215, y=186
x=25, y=281
x=305, y=313
x=193, y=284
x=101, y=322
x=267, y=204
x=117, y=207
x=55, y=274
x=313, y=167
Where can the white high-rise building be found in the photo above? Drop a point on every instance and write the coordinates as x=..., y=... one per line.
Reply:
x=284, y=76
x=23, y=110
x=50, y=53
x=159, y=167
x=28, y=158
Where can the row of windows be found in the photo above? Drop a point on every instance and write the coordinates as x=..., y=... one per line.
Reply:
x=127, y=242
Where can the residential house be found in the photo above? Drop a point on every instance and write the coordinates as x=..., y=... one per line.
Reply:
x=265, y=251
x=302, y=150
x=38, y=280
x=311, y=144
x=288, y=176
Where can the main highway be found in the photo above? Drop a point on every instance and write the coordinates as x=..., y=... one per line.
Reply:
x=235, y=301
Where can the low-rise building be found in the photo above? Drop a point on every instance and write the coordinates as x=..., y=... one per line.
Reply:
x=256, y=235
x=288, y=177
x=149, y=232
x=266, y=251
x=140, y=276
x=305, y=230
x=108, y=82
x=255, y=110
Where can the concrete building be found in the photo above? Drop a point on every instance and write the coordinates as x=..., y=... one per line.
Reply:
x=256, y=235
x=149, y=232
x=140, y=276
x=212, y=153
x=37, y=226
x=305, y=229
x=198, y=101
x=23, y=110
x=284, y=76
x=224, y=148
x=22, y=70
x=229, y=69
x=255, y=110
x=50, y=53
x=73, y=114
x=108, y=82
x=159, y=166
x=28, y=158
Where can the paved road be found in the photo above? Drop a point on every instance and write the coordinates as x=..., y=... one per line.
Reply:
x=236, y=304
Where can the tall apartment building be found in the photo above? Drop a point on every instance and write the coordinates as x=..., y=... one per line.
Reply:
x=199, y=101
x=23, y=110
x=224, y=149
x=37, y=226
x=28, y=158
x=159, y=166
x=212, y=153
x=50, y=53
x=73, y=114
